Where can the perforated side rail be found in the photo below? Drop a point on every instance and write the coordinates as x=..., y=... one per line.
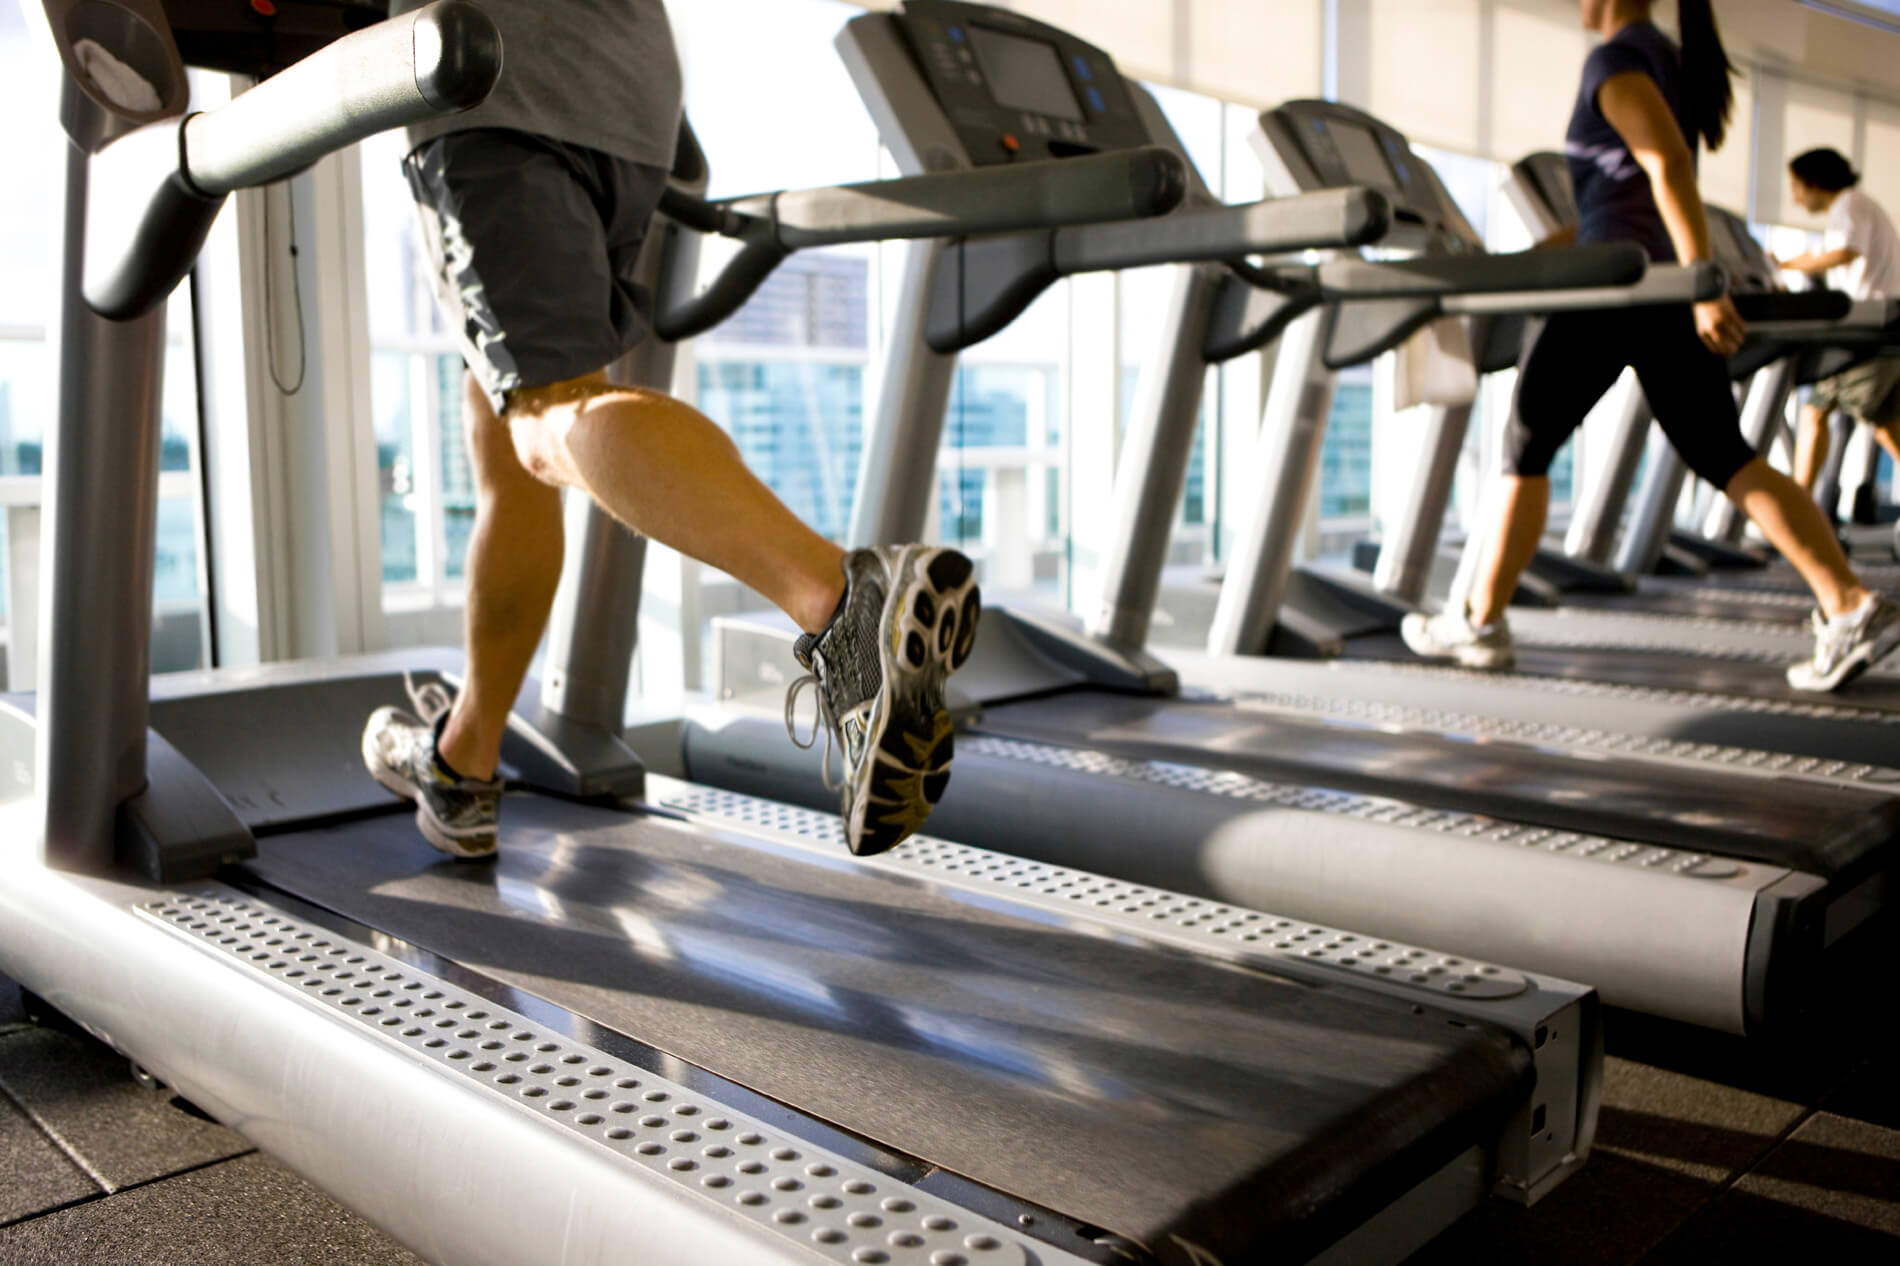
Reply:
x=1236, y=786
x=813, y=1199
x=1573, y=688
x=1751, y=597
x=1152, y=913
x=1565, y=737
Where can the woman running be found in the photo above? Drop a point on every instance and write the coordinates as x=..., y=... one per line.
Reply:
x=1644, y=106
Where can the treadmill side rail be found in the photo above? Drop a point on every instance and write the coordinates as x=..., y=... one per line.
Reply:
x=390, y=1110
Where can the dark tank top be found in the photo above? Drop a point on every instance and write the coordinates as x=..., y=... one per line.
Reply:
x=1614, y=202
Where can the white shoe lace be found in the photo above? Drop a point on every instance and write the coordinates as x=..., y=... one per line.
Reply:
x=431, y=699
x=825, y=722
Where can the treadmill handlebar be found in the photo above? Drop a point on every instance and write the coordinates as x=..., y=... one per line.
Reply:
x=1794, y=305
x=154, y=192
x=1664, y=284
x=1329, y=219
x=1125, y=185
x=1130, y=184
x=438, y=60
x=1572, y=268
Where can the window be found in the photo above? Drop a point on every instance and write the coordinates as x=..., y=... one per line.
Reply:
x=29, y=260
x=424, y=486
x=787, y=374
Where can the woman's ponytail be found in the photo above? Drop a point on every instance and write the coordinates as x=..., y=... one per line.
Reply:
x=1705, y=72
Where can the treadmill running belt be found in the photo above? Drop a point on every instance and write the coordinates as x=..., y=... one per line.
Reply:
x=1809, y=826
x=1668, y=670
x=1143, y=1091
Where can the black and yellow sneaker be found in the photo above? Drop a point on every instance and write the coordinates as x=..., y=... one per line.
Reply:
x=907, y=621
x=458, y=815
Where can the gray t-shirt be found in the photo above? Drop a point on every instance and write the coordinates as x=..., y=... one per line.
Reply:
x=599, y=73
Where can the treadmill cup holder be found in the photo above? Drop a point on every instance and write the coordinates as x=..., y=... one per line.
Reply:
x=135, y=32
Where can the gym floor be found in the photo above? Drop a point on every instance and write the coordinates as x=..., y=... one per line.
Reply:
x=1709, y=1149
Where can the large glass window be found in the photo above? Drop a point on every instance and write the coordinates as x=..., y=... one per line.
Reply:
x=29, y=260
x=424, y=487
x=787, y=374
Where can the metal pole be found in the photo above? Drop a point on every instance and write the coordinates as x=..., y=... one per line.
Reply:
x=1405, y=562
x=898, y=473
x=1592, y=535
x=1762, y=407
x=1827, y=489
x=101, y=478
x=1283, y=471
x=1154, y=463
x=595, y=624
x=1655, y=514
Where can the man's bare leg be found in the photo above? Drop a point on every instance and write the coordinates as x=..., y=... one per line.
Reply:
x=1524, y=509
x=1794, y=525
x=1810, y=447
x=1887, y=435
x=514, y=566
x=669, y=472
x=656, y=464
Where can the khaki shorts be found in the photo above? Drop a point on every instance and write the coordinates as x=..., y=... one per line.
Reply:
x=1869, y=392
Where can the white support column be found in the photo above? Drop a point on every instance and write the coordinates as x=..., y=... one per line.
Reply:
x=23, y=595
x=1094, y=439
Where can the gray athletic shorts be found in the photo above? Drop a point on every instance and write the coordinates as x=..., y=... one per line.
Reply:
x=1869, y=392
x=534, y=243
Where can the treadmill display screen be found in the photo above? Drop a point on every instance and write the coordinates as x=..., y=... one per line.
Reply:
x=1025, y=74
x=1362, y=154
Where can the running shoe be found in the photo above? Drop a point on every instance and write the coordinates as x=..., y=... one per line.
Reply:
x=907, y=621
x=1451, y=635
x=1847, y=647
x=458, y=815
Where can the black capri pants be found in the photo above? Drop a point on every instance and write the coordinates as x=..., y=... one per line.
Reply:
x=1577, y=356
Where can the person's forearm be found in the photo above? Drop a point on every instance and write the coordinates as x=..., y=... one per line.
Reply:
x=1677, y=198
x=1565, y=236
x=1816, y=262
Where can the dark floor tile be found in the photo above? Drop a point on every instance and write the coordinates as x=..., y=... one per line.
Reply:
x=1872, y=1092
x=244, y=1212
x=34, y=1175
x=1845, y=1169
x=1703, y=1129
x=1611, y=1213
x=1830, y=1193
x=82, y=1094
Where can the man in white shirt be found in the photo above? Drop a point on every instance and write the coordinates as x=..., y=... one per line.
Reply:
x=1862, y=245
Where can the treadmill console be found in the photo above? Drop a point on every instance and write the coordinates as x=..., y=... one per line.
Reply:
x=1013, y=88
x=1306, y=146
x=1545, y=177
x=1739, y=253
x=261, y=37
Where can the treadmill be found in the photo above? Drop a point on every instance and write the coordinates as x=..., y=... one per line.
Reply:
x=686, y=1025
x=1673, y=886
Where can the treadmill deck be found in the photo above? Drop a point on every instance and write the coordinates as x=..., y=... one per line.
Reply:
x=1218, y=1104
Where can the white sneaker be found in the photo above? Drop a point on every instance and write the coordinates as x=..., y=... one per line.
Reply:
x=1451, y=635
x=1848, y=647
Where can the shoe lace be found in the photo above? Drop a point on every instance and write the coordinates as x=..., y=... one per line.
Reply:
x=825, y=722
x=431, y=698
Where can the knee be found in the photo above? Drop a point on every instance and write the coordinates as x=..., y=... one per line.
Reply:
x=539, y=447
